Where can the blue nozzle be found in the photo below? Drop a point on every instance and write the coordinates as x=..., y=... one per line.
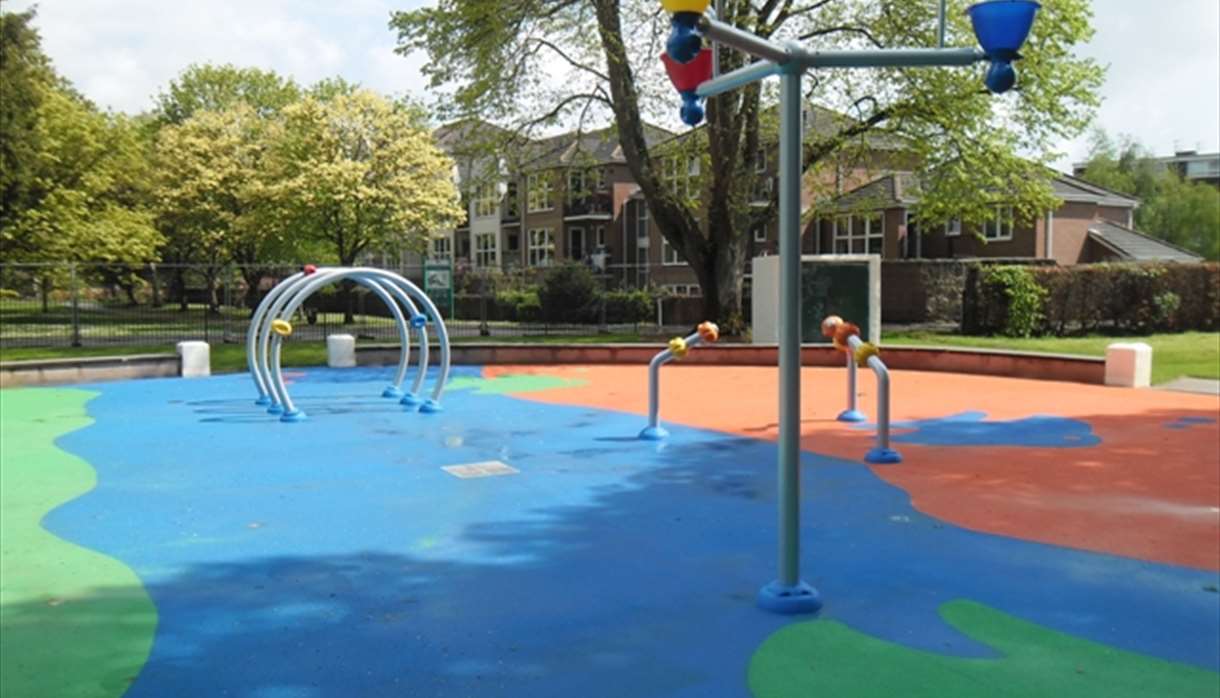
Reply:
x=1001, y=76
x=418, y=321
x=685, y=41
x=692, y=109
x=1002, y=26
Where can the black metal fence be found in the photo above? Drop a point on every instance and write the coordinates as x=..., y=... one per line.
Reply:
x=77, y=304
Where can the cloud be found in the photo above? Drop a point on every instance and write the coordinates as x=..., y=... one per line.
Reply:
x=1163, y=82
x=122, y=53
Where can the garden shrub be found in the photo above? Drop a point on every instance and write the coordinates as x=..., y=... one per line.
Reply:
x=569, y=293
x=1114, y=297
x=629, y=306
x=520, y=305
x=1011, y=301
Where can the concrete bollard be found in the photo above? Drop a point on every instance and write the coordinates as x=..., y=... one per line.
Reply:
x=341, y=351
x=195, y=359
x=1129, y=365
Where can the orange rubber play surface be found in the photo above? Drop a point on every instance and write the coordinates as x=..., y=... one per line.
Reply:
x=1149, y=489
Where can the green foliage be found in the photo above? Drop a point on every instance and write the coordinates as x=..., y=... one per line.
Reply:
x=521, y=305
x=1184, y=213
x=217, y=88
x=1014, y=300
x=355, y=172
x=75, y=180
x=569, y=293
x=630, y=306
x=1089, y=298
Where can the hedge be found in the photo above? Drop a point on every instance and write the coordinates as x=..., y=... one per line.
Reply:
x=1128, y=298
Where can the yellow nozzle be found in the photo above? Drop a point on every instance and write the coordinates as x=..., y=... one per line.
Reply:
x=864, y=352
x=281, y=327
x=673, y=6
x=677, y=347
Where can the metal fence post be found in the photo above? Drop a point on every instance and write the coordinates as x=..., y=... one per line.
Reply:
x=75, y=307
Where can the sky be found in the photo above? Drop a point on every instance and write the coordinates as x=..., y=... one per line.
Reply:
x=1162, y=87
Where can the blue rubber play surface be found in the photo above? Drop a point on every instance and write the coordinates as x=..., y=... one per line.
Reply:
x=336, y=557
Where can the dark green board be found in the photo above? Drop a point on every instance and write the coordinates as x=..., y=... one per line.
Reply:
x=833, y=288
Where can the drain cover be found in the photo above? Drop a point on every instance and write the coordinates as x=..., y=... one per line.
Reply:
x=487, y=468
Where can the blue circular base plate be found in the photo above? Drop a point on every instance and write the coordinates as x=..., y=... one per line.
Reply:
x=431, y=407
x=392, y=392
x=263, y=401
x=852, y=416
x=293, y=416
x=789, y=600
x=882, y=455
x=411, y=400
x=276, y=408
x=654, y=433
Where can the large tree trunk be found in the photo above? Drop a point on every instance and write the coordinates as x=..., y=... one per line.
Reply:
x=180, y=283
x=253, y=279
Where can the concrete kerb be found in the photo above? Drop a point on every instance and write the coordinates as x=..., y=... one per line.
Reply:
x=1032, y=365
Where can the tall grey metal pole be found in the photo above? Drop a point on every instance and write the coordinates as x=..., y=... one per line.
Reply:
x=940, y=31
x=790, y=325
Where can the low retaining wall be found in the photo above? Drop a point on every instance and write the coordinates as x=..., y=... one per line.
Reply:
x=1055, y=367
x=87, y=370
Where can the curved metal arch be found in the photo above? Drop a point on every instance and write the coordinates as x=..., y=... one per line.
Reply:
x=269, y=310
x=265, y=355
x=291, y=301
x=256, y=321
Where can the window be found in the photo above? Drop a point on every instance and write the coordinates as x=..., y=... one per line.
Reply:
x=912, y=243
x=669, y=255
x=684, y=290
x=486, y=200
x=1000, y=226
x=442, y=248
x=641, y=223
x=541, y=247
x=859, y=234
x=669, y=173
x=760, y=233
x=599, y=236
x=514, y=242
x=763, y=187
x=576, y=186
x=576, y=244
x=539, y=186
x=953, y=228
x=486, y=253
x=692, y=176
x=512, y=202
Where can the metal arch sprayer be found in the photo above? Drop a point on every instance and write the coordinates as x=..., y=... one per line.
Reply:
x=270, y=324
x=1001, y=27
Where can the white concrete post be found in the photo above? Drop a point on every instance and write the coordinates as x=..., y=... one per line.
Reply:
x=1129, y=365
x=195, y=359
x=341, y=351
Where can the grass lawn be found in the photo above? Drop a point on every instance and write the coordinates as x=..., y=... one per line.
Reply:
x=1195, y=354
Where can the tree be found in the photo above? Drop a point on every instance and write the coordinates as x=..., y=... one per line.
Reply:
x=219, y=87
x=1184, y=213
x=74, y=179
x=211, y=192
x=533, y=64
x=25, y=77
x=356, y=171
x=253, y=99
